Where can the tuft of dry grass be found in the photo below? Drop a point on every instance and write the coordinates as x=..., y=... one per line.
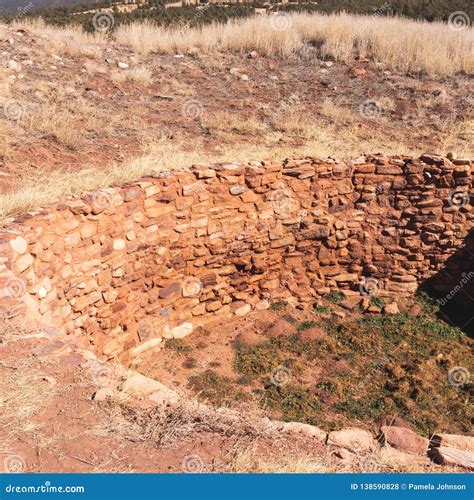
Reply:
x=70, y=40
x=139, y=75
x=249, y=460
x=395, y=43
x=22, y=395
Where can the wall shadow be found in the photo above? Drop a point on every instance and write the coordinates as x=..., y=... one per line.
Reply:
x=453, y=287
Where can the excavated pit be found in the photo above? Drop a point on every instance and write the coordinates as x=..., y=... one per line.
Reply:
x=124, y=267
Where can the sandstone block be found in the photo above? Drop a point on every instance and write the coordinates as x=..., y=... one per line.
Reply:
x=353, y=439
x=453, y=441
x=23, y=262
x=149, y=390
x=19, y=244
x=405, y=439
x=170, y=290
x=181, y=331
x=447, y=455
x=146, y=346
x=300, y=428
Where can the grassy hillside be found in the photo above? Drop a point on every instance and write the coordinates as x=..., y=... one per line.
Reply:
x=71, y=12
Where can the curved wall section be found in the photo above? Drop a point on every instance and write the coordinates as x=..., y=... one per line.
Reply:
x=152, y=259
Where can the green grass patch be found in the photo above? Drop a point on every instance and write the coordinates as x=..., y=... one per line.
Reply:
x=279, y=305
x=217, y=389
x=306, y=325
x=335, y=297
x=178, y=346
x=376, y=301
x=322, y=309
x=295, y=402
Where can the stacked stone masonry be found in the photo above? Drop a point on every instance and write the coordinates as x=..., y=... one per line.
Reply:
x=154, y=258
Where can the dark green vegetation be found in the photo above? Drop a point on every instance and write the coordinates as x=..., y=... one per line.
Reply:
x=156, y=11
x=215, y=388
x=178, y=345
x=359, y=369
x=335, y=297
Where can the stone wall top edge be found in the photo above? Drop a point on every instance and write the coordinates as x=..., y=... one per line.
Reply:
x=15, y=224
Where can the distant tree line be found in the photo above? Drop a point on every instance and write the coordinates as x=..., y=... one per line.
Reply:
x=155, y=11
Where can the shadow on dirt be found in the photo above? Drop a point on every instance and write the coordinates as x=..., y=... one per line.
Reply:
x=453, y=288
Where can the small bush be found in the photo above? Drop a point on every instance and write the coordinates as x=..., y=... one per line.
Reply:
x=289, y=319
x=376, y=301
x=306, y=325
x=190, y=363
x=335, y=297
x=322, y=309
x=217, y=389
x=178, y=345
x=296, y=403
x=279, y=305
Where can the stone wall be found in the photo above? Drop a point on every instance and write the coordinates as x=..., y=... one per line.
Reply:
x=154, y=258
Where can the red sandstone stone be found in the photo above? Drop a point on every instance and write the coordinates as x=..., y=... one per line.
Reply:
x=170, y=290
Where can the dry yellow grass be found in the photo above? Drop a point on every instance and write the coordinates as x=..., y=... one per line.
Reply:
x=397, y=44
x=71, y=40
x=285, y=136
x=248, y=460
x=22, y=395
x=38, y=190
x=138, y=75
